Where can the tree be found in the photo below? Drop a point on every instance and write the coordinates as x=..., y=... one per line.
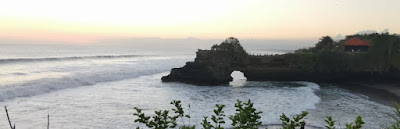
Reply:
x=230, y=52
x=382, y=52
x=214, y=47
x=230, y=44
x=325, y=43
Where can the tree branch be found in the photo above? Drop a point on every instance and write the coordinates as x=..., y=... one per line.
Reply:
x=8, y=117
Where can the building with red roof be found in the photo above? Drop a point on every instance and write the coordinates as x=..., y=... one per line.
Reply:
x=356, y=45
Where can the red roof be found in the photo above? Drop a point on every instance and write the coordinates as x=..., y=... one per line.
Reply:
x=356, y=42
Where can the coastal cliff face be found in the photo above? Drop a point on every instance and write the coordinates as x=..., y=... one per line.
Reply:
x=209, y=68
x=214, y=67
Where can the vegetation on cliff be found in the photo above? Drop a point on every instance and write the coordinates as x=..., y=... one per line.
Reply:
x=231, y=45
x=230, y=50
x=212, y=67
x=328, y=56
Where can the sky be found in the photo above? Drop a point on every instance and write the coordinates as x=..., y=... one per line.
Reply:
x=96, y=21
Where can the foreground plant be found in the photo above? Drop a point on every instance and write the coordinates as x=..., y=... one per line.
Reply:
x=396, y=117
x=217, y=118
x=246, y=116
x=162, y=119
x=330, y=123
x=206, y=124
x=288, y=123
x=357, y=123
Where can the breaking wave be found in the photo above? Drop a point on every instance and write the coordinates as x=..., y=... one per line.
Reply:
x=87, y=75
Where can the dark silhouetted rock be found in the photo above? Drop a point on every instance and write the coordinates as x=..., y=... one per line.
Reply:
x=214, y=67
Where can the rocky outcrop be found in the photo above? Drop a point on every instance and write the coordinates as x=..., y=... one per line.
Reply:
x=214, y=67
x=199, y=74
x=211, y=67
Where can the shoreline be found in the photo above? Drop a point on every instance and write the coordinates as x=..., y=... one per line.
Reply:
x=383, y=93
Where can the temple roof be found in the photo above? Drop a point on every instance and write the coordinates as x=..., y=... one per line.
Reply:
x=356, y=42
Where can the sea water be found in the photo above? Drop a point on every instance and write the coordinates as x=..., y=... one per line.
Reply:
x=98, y=87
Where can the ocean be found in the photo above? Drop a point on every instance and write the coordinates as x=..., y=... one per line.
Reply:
x=97, y=87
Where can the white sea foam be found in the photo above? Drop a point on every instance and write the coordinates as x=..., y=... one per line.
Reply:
x=310, y=84
x=79, y=73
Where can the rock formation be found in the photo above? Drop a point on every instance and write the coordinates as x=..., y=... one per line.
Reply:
x=214, y=67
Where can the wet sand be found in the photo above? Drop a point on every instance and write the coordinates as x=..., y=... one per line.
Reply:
x=384, y=93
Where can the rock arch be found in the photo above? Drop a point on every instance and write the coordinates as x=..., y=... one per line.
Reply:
x=239, y=79
x=211, y=67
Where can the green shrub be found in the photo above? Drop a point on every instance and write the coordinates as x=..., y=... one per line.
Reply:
x=356, y=125
x=162, y=119
x=179, y=110
x=218, y=118
x=206, y=124
x=246, y=116
x=330, y=123
x=288, y=123
x=396, y=117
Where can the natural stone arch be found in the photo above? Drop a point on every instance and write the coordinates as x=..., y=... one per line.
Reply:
x=212, y=67
x=238, y=79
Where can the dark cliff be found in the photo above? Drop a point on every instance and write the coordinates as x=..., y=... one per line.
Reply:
x=214, y=67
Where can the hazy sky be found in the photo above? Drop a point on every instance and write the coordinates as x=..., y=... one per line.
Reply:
x=89, y=21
